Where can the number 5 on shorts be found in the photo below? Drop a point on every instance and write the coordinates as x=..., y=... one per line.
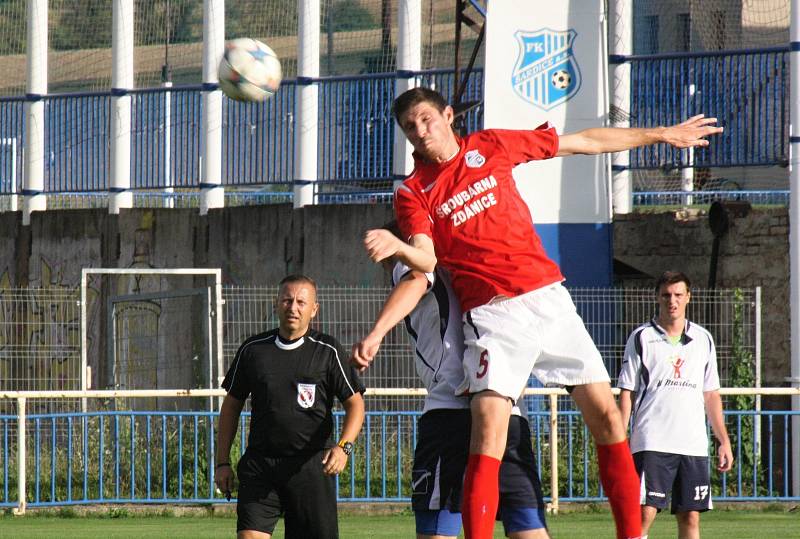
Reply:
x=483, y=363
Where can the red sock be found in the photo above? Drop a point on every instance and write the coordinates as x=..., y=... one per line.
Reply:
x=621, y=483
x=480, y=497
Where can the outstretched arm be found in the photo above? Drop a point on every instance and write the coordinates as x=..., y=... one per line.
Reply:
x=687, y=134
x=398, y=305
x=717, y=420
x=419, y=255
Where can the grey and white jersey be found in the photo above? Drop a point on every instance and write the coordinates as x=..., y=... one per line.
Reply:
x=668, y=381
x=438, y=339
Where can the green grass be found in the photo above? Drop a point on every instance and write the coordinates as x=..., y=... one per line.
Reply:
x=720, y=524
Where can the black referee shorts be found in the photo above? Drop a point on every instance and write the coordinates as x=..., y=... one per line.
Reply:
x=293, y=486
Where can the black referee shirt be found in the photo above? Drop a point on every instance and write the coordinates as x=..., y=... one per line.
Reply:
x=292, y=386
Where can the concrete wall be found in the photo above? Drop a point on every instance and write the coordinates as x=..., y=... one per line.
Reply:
x=253, y=245
x=258, y=245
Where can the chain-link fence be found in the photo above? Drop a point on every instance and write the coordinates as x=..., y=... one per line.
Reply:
x=40, y=333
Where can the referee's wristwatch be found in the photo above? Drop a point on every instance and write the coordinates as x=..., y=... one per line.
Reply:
x=346, y=446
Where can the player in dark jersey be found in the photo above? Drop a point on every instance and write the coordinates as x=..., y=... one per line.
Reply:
x=460, y=208
x=292, y=374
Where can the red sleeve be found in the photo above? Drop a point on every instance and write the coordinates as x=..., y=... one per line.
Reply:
x=528, y=145
x=412, y=216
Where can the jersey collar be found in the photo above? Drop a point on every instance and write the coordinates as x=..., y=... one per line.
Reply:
x=422, y=164
x=685, y=339
x=289, y=345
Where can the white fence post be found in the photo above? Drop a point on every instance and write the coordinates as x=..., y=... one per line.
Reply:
x=120, y=195
x=306, y=126
x=21, y=457
x=554, y=453
x=212, y=193
x=409, y=54
x=33, y=162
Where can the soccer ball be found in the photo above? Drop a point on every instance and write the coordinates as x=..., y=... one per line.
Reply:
x=249, y=70
x=561, y=79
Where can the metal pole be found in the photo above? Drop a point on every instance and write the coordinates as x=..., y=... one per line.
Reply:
x=409, y=61
x=84, y=338
x=621, y=46
x=166, y=82
x=758, y=369
x=554, y=453
x=306, y=102
x=687, y=173
x=33, y=169
x=120, y=195
x=212, y=193
x=794, y=234
x=21, y=456
x=219, y=302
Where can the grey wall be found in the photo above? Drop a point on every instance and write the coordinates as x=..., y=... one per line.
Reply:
x=254, y=245
x=260, y=244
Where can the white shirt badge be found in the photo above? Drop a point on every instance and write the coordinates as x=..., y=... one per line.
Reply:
x=474, y=159
x=306, y=394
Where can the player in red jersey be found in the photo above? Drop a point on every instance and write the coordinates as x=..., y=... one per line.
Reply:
x=460, y=208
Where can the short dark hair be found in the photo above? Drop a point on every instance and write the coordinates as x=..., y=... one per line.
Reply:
x=672, y=277
x=298, y=278
x=415, y=96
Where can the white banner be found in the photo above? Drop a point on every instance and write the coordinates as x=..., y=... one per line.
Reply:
x=545, y=61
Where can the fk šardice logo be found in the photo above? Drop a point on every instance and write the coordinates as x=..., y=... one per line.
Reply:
x=546, y=73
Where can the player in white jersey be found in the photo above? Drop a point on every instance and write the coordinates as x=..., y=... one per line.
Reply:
x=669, y=383
x=433, y=320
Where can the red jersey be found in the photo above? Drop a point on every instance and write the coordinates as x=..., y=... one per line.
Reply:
x=480, y=225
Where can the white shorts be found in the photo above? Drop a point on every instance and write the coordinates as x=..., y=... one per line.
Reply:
x=539, y=332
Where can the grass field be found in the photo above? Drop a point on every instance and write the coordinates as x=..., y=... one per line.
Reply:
x=720, y=524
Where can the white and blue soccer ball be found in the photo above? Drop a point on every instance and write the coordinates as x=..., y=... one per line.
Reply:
x=249, y=70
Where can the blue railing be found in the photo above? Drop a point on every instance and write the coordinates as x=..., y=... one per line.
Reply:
x=355, y=136
x=746, y=90
x=163, y=457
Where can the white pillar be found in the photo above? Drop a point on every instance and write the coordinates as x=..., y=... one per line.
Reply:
x=409, y=54
x=794, y=234
x=212, y=194
x=33, y=171
x=307, y=104
x=621, y=45
x=120, y=195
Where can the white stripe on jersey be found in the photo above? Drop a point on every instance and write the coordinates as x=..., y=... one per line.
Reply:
x=438, y=339
x=339, y=361
x=241, y=350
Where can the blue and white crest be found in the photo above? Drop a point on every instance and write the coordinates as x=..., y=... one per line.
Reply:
x=546, y=73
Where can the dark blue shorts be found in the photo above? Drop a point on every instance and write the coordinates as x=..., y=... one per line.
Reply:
x=440, y=460
x=685, y=478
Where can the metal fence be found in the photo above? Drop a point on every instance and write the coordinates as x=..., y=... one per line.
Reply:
x=166, y=457
x=746, y=90
x=40, y=331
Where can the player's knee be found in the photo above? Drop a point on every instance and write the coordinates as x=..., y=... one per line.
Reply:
x=689, y=520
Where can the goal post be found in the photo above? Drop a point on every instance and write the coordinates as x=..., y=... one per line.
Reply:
x=135, y=311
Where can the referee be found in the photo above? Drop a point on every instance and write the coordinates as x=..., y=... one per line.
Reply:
x=292, y=374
